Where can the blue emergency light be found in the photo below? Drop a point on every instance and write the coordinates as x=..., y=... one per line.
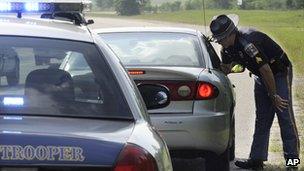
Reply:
x=13, y=101
x=6, y=6
x=43, y=6
x=10, y=7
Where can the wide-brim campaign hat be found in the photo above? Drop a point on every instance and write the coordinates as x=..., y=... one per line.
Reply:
x=223, y=25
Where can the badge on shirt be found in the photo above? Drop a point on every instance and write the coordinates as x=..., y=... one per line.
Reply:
x=251, y=50
x=258, y=59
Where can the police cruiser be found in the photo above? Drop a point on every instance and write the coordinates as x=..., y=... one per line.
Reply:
x=82, y=115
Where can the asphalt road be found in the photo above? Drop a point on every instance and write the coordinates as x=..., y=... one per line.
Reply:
x=243, y=86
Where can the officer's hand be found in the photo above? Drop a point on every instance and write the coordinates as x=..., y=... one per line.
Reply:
x=280, y=103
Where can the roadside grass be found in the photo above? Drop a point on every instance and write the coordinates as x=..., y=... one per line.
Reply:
x=276, y=145
x=299, y=91
x=286, y=27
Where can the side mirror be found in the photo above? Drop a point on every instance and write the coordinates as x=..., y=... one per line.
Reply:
x=237, y=69
x=90, y=22
x=155, y=96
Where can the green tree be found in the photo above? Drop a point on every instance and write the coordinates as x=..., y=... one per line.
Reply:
x=219, y=4
x=254, y=4
x=193, y=4
x=299, y=4
x=171, y=6
x=103, y=4
x=289, y=4
x=176, y=6
x=149, y=7
x=276, y=4
x=225, y=4
x=127, y=7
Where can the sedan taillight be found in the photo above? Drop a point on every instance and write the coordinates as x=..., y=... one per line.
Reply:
x=206, y=91
x=186, y=90
x=135, y=158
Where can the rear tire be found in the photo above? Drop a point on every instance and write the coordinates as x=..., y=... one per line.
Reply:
x=232, y=151
x=218, y=162
x=232, y=145
x=13, y=77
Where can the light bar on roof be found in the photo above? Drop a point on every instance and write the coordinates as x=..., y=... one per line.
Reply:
x=5, y=6
x=23, y=6
x=31, y=6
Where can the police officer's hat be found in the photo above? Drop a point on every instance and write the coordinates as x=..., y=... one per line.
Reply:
x=223, y=25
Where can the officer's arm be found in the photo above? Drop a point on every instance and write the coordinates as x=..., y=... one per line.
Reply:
x=268, y=79
x=227, y=62
x=262, y=62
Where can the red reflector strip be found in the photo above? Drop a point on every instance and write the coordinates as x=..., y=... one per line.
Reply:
x=136, y=72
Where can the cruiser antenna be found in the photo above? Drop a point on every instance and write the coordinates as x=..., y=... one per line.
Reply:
x=205, y=23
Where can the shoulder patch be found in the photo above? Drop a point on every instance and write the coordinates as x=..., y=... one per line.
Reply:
x=251, y=50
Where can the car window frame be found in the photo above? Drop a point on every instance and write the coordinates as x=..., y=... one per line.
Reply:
x=214, y=58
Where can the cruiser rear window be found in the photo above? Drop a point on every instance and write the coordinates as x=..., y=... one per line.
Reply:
x=57, y=78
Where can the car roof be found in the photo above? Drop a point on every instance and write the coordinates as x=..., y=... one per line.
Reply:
x=147, y=29
x=44, y=28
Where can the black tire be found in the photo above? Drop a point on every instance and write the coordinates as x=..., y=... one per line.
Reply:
x=232, y=151
x=218, y=162
x=232, y=142
x=13, y=77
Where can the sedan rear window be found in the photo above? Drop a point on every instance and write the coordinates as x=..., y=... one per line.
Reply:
x=57, y=78
x=155, y=49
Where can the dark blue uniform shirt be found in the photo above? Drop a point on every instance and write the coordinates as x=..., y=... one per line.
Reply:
x=253, y=49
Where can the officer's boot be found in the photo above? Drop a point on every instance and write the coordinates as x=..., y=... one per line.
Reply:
x=250, y=164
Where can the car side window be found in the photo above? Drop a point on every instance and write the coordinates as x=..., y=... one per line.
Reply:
x=215, y=60
x=70, y=79
x=86, y=89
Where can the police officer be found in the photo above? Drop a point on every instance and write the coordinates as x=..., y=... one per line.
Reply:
x=273, y=76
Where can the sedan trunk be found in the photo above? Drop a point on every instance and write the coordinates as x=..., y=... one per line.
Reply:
x=181, y=82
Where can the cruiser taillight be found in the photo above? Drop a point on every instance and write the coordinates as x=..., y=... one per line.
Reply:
x=135, y=158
